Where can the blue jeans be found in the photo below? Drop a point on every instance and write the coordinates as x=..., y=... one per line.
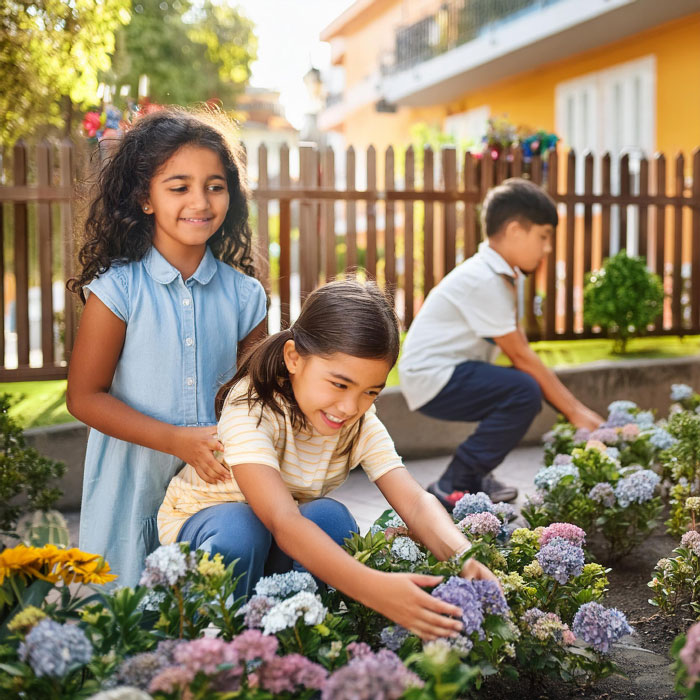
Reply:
x=234, y=531
x=504, y=400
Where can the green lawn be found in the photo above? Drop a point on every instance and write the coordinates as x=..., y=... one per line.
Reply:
x=44, y=403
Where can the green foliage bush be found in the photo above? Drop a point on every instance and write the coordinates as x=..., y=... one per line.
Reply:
x=25, y=476
x=623, y=298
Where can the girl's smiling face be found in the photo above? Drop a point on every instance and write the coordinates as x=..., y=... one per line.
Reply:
x=335, y=391
x=188, y=197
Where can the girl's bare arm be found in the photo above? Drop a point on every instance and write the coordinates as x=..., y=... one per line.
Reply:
x=93, y=362
x=427, y=520
x=397, y=596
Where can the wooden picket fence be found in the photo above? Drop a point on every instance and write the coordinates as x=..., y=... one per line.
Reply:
x=406, y=227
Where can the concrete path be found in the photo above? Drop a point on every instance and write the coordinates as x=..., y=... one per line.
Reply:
x=366, y=502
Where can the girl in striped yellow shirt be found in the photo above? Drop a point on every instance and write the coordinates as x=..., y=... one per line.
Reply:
x=294, y=420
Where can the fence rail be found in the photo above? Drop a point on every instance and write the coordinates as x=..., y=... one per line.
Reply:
x=407, y=218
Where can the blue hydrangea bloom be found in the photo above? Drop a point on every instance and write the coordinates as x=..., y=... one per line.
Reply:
x=638, y=487
x=462, y=593
x=561, y=560
x=599, y=626
x=548, y=477
x=393, y=636
x=612, y=452
x=604, y=493
x=644, y=419
x=53, y=650
x=618, y=418
x=491, y=597
x=661, y=439
x=680, y=392
x=621, y=406
x=472, y=503
x=283, y=585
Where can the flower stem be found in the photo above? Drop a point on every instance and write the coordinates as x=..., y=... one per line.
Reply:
x=180, y=608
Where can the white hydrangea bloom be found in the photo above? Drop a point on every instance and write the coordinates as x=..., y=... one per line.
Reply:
x=303, y=605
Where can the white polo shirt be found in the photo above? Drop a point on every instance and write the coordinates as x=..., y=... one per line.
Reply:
x=473, y=304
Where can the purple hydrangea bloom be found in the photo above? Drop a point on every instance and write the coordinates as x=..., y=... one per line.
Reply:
x=561, y=560
x=607, y=435
x=571, y=533
x=561, y=459
x=138, y=671
x=380, y=676
x=393, y=636
x=504, y=511
x=53, y=650
x=599, y=626
x=638, y=487
x=491, y=597
x=547, y=478
x=480, y=524
x=462, y=593
x=545, y=626
x=255, y=610
x=603, y=493
x=472, y=503
x=285, y=674
x=582, y=435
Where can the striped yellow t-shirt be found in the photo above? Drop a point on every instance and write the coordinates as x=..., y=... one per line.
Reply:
x=309, y=463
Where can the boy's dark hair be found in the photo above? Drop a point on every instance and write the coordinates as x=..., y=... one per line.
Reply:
x=118, y=230
x=518, y=199
x=345, y=316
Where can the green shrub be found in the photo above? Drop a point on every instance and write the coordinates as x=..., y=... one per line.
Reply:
x=25, y=476
x=623, y=298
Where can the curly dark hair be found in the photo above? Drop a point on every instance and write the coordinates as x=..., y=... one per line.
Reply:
x=118, y=230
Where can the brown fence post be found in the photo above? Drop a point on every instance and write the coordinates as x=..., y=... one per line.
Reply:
x=66, y=178
x=328, y=214
x=428, y=223
x=21, y=258
x=263, y=206
x=285, y=241
x=624, y=194
x=643, y=234
x=43, y=158
x=587, y=222
x=350, y=212
x=676, y=310
x=471, y=190
x=660, y=232
x=371, y=251
x=449, y=173
x=695, y=244
x=389, y=231
x=409, y=186
x=606, y=190
x=307, y=228
x=550, y=302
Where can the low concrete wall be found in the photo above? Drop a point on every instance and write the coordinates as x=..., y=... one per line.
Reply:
x=646, y=382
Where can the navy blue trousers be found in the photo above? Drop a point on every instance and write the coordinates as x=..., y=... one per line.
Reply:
x=503, y=400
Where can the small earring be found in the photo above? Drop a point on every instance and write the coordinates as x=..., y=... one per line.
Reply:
x=145, y=207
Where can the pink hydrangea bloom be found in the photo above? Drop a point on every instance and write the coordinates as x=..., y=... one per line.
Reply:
x=568, y=531
x=253, y=644
x=691, y=541
x=629, y=432
x=286, y=673
x=480, y=524
x=205, y=655
x=596, y=445
x=690, y=653
x=170, y=679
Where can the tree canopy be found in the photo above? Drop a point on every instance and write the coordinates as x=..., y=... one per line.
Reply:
x=191, y=51
x=51, y=52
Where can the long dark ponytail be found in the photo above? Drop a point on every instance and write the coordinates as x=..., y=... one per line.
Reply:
x=345, y=316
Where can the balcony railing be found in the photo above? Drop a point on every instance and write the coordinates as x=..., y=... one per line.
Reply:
x=454, y=24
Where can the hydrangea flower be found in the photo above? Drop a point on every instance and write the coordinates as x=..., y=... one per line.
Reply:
x=547, y=626
x=480, y=524
x=622, y=405
x=255, y=610
x=629, y=432
x=679, y=392
x=284, y=585
x=609, y=436
x=285, y=674
x=525, y=536
x=53, y=650
x=533, y=569
x=472, y=503
x=561, y=459
x=370, y=676
x=405, y=549
x=394, y=521
x=661, y=439
x=167, y=566
x=568, y=531
x=504, y=511
x=690, y=653
x=596, y=445
x=303, y=605
x=603, y=493
x=393, y=636
x=138, y=671
x=638, y=487
x=170, y=680
x=253, y=645
x=547, y=478
x=123, y=692
x=535, y=499
x=461, y=592
x=644, y=419
x=600, y=627
x=582, y=435
x=691, y=541
x=561, y=560
x=206, y=655
x=491, y=597
x=692, y=503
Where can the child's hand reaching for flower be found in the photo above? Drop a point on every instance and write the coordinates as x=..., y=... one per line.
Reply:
x=196, y=447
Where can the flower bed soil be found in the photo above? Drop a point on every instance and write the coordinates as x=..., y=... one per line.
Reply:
x=643, y=657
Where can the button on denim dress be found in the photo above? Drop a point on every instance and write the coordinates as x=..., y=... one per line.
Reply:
x=180, y=346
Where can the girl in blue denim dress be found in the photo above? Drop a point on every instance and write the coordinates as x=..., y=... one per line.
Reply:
x=170, y=298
